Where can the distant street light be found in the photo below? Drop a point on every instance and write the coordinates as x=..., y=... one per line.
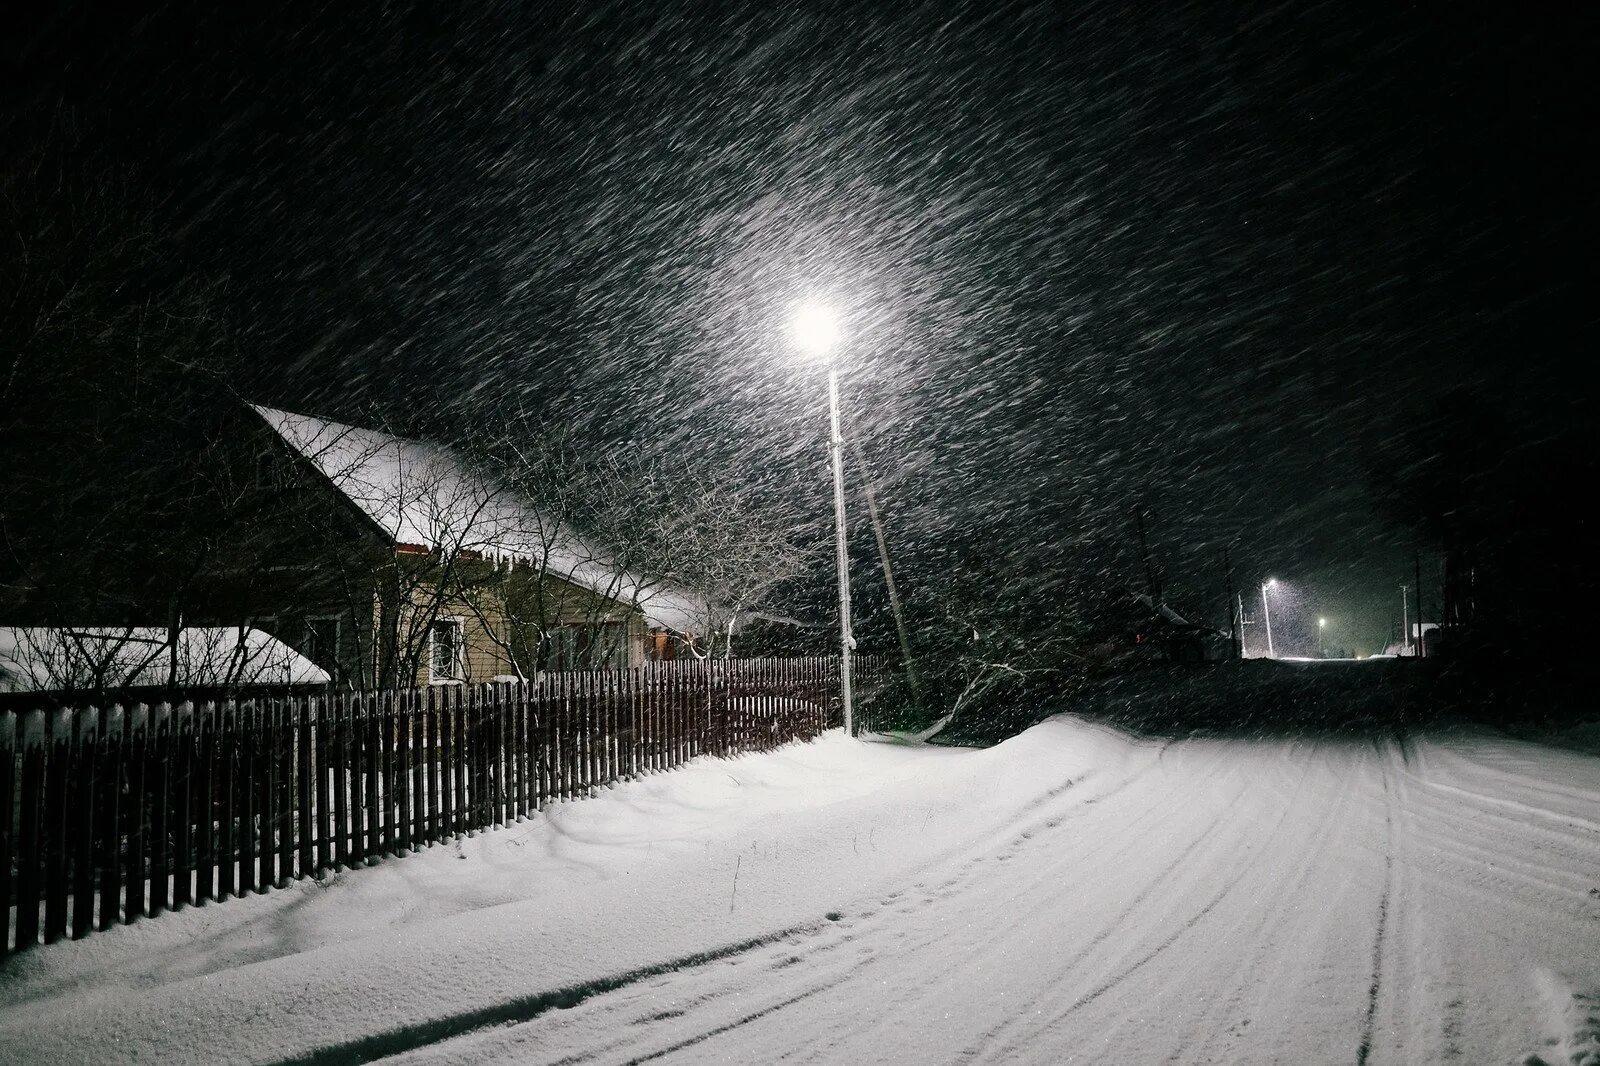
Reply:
x=1322, y=624
x=817, y=332
x=1266, y=613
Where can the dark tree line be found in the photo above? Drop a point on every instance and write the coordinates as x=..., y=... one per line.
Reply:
x=1505, y=498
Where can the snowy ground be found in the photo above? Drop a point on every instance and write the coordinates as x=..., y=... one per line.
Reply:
x=1075, y=894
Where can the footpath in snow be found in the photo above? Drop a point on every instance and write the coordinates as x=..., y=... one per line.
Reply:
x=1075, y=894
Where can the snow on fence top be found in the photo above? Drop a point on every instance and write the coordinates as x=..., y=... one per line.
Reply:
x=40, y=659
x=423, y=493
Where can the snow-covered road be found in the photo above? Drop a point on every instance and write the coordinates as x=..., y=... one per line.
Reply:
x=1075, y=894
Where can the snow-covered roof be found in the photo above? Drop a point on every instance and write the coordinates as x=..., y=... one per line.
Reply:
x=41, y=659
x=1169, y=614
x=426, y=494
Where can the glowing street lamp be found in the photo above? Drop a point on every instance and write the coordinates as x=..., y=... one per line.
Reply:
x=1266, y=612
x=817, y=332
x=1322, y=624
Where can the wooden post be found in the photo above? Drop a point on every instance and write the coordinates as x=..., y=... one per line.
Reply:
x=411, y=737
x=323, y=767
x=181, y=800
x=30, y=804
x=228, y=793
x=435, y=755
x=372, y=775
x=108, y=827
x=158, y=779
x=341, y=781
x=81, y=825
x=204, y=801
x=445, y=801
x=136, y=740
x=389, y=840
x=304, y=779
x=460, y=708
x=8, y=785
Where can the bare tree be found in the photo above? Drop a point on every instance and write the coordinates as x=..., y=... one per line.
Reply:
x=112, y=360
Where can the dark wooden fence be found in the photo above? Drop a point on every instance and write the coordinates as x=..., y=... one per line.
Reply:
x=112, y=813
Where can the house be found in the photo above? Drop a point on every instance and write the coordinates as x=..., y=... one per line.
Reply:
x=387, y=560
x=1177, y=638
x=100, y=658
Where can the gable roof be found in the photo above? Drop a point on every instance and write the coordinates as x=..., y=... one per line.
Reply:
x=418, y=492
x=43, y=659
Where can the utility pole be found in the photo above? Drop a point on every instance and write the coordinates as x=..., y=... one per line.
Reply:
x=1421, y=651
x=888, y=574
x=1235, y=610
x=1266, y=616
x=1149, y=564
x=1405, y=617
x=1239, y=598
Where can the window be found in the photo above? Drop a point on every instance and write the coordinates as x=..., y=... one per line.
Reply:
x=445, y=648
x=561, y=648
x=580, y=647
x=610, y=649
x=320, y=643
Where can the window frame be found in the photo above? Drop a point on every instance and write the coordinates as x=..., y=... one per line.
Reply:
x=458, y=646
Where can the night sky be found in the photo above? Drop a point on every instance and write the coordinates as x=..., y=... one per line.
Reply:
x=1204, y=259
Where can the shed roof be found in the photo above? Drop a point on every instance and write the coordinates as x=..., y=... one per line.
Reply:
x=43, y=659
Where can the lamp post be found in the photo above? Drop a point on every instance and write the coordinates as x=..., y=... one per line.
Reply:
x=1266, y=614
x=1322, y=624
x=816, y=331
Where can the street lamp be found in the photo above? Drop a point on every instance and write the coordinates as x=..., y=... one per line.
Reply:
x=1322, y=624
x=1266, y=612
x=817, y=332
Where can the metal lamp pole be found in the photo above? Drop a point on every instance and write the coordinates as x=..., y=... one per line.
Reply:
x=1322, y=625
x=816, y=331
x=847, y=640
x=1266, y=613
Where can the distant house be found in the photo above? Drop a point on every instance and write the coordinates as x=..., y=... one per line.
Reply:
x=96, y=659
x=1160, y=628
x=393, y=561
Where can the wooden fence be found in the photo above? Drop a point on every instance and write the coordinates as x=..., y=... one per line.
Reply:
x=112, y=813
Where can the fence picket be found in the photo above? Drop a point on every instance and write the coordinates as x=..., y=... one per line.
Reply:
x=228, y=796
x=29, y=818
x=117, y=812
x=204, y=802
x=410, y=771
x=108, y=831
x=180, y=753
x=8, y=785
x=267, y=818
x=58, y=745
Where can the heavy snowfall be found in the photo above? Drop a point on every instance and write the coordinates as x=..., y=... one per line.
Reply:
x=1075, y=894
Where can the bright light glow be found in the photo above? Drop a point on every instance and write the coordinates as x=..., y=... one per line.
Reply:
x=1321, y=622
x=816, y=329
x=1271, y=583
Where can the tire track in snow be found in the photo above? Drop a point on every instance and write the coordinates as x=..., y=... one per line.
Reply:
x=522, y=1008
x=1267, y=941
x=985, y=1045
x=917, y=932
x=1254, y=847
x=702, y=989
x=1045, y=881
x=1369, y=1022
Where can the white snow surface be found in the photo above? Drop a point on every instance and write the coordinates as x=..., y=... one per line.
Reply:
x=1076, y=894
x=425, y=494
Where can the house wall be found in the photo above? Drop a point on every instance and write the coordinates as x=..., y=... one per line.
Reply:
x=485, y=630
